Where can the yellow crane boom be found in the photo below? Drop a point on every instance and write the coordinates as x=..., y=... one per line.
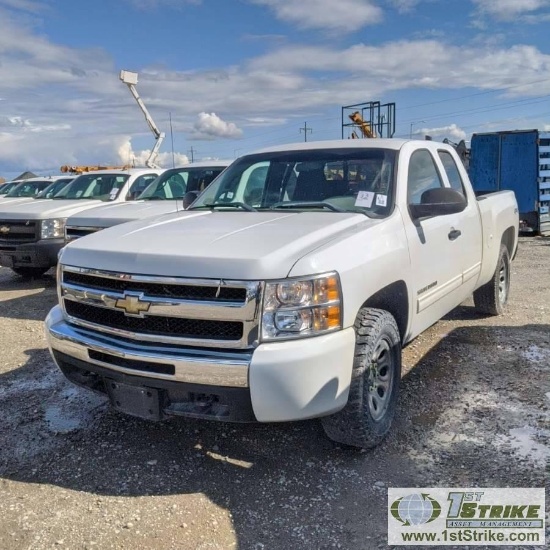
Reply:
x=365, y=127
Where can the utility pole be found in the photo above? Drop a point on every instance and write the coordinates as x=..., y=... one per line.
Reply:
x=305, y=129
x=192, y=151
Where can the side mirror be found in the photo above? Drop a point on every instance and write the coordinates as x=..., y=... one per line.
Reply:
x=438, y=202
x=189, y=198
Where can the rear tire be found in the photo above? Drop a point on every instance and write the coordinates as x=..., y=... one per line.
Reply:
x=492, y=297
x=30, y=272
x=367, y=417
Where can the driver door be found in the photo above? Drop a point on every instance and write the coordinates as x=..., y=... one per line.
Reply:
x=434, y=252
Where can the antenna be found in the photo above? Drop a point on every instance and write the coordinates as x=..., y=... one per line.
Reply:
x=172, y=139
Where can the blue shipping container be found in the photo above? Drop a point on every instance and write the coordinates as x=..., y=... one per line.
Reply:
x=508, y=161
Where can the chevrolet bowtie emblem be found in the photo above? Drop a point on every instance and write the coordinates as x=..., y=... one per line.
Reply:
x=133, y=305
x=4, y=229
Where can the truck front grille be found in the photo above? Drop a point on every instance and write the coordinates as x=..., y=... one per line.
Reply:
x=190, y=312
x=74, y=232
x=17, y=231
x=153, y=324
x=181, y=291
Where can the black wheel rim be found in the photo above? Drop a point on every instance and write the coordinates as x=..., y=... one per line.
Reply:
x=380, y=379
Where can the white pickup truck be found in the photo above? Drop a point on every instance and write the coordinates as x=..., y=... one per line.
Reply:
x=164, y=195
x=287, y=290
x=33, y=188
x=33, y=232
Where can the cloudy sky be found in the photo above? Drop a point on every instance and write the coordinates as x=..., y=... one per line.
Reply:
x=237, y=75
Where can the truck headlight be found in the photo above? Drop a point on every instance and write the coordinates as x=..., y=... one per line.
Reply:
x=52, y=229
x=297, y=308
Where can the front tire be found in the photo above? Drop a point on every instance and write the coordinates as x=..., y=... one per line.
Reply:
x=492, y=297
x=367, y=417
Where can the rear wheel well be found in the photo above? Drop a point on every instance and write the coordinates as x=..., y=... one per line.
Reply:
x=508, y=240
x=394, y=299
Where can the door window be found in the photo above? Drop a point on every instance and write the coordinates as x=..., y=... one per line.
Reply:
x=139, y=185
x=423, y=175
x=452, y=172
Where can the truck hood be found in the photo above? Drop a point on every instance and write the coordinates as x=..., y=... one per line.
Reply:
x=227, y=245
x=113, y=214
x=10, y=201
x=45, y=209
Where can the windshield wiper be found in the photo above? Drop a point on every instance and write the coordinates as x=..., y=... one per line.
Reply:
x=312, y=204
x=242, y=205
x=152, y=198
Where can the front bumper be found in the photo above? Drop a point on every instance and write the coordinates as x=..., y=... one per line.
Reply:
x=276, y=382
x=38, y=254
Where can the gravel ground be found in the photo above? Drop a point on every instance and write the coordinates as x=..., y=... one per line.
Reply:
x=474, y=411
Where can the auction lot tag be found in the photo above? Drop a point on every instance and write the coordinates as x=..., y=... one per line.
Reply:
x=473, y=517
x=381, y=200
x=364, y=198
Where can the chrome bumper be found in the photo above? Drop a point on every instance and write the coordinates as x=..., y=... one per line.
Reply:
x=191, y=366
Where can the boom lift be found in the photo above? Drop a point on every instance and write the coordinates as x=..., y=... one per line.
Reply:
x=130, y=79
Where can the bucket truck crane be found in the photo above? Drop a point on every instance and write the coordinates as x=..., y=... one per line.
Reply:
x=130, y=79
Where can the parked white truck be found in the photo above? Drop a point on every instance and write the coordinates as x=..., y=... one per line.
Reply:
x=32, y=233
x=166, y=194
x=33, y=188
x=287, y=290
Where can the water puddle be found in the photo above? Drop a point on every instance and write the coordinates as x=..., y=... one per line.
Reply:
x=531, y=443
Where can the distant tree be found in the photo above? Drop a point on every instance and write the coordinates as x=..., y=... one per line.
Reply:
x=2, y=180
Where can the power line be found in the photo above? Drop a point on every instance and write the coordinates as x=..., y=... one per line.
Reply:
x=504, y=88
x=477, y=110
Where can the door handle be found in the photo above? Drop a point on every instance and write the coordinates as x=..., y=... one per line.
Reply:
x=454, y=234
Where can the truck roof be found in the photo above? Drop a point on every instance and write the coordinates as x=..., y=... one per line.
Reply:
x=206, y=163
x=130, y=171
x=338, y=144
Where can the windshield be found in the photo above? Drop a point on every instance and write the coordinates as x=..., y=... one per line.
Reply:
x=102, y=187
x=348, y=180
x=29, y=188
x=8, y=187
x=54, y=188
x=174, y=183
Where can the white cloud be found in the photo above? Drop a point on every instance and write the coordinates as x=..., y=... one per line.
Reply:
x=65, y=105
x=27, y=125
x=24, y=5
x=265, y=121
x=11, y=121
x=347, y=15
x=211, y=126
x=452, y=132
x=126, y=155
x=405, y=6
x=156, y=4
x=509, y=10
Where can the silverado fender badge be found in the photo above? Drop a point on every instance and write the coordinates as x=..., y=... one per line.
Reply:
x=133, y=305
x=426, y=288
